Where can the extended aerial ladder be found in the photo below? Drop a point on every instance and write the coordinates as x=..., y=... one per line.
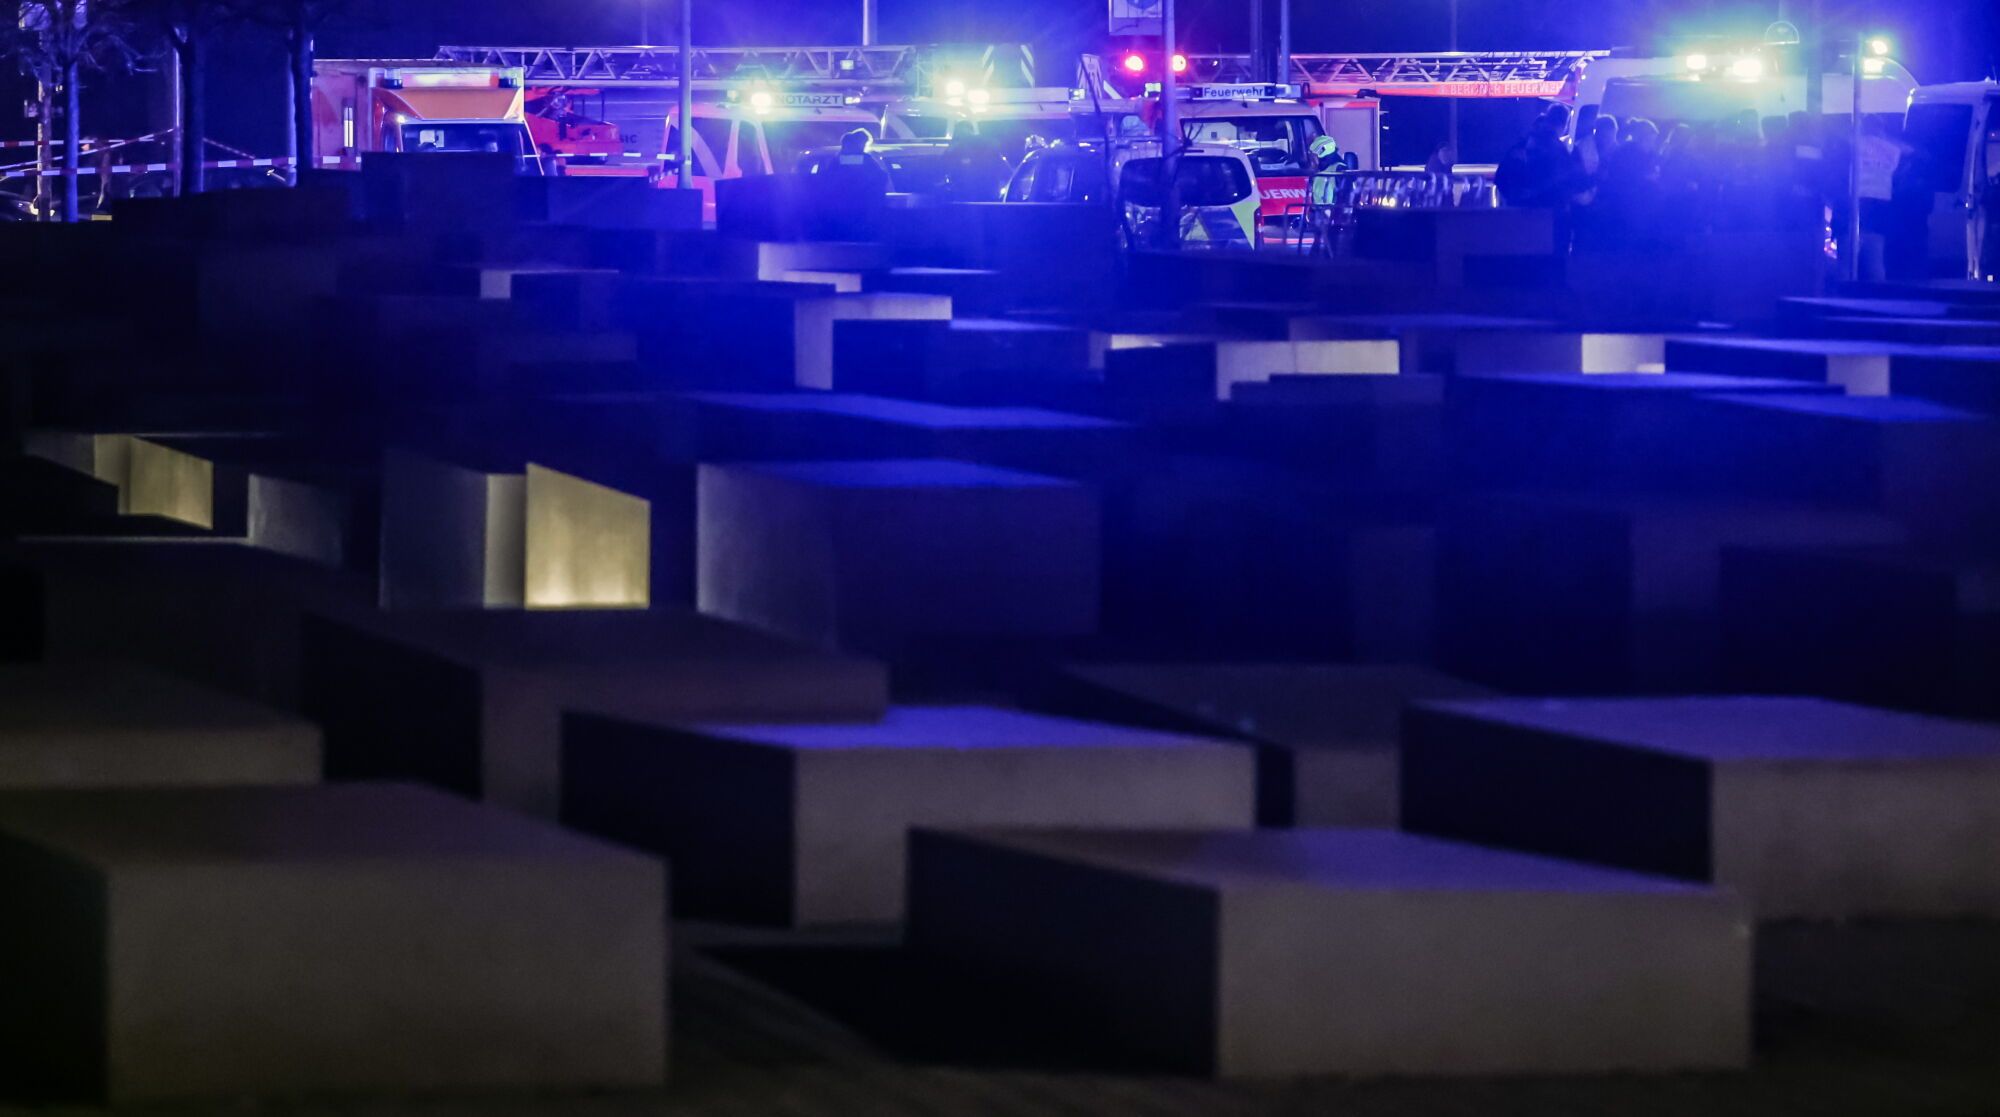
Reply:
x=872, y=70
x=1474, y=74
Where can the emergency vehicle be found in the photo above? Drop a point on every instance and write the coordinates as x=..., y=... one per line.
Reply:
x=361, y=106
x=756, y=110
x=1220, y=206
x=1270, y=125
x=1953, y=133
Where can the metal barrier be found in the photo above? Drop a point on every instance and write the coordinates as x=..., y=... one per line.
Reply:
x=1335, y=196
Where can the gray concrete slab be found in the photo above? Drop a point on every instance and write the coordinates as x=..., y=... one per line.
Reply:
x=1880, y=626
x=230, y=942
x=1272, y=954
x=1934, y=468
x=1607, y=594
x=472, y=700
x=108, y=724
x=1809, y=808
x=1326, y=734
x=880, y=555
x=806, y=824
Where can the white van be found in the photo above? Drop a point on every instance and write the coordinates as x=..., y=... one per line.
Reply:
x=1954, y=130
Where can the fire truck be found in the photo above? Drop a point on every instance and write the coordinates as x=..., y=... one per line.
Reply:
x=1347, y=91
x=756, y=110
x=368, y=105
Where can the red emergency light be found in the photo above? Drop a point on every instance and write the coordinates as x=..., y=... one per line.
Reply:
x=1135, y=63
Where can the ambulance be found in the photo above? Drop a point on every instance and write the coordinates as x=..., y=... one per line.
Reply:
x=364, y=105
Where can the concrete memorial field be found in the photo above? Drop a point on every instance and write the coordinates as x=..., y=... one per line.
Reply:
x=982, y=665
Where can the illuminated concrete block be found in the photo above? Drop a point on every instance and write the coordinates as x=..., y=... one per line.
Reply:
x=884, y=554
x=152, y=478
x=1105, y=342
x=1212, y=370
x=978, y=292
x=451, y=536
x=1525, y=351
x=775, y=258
x=1269, y=954
x=1326, y=735
x=587, y=546
x=1880, y=626
x=471, y=700
x=1428, y=342
x=557, y=298
x=229, y=942
x=1590, y=595
x=1859, y=368
x=1807, y=808
x=461, y=537
x=93, y=725
x=807, y=824
x=812, y=325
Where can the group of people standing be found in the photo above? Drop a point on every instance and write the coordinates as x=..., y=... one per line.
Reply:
x=1629, y=183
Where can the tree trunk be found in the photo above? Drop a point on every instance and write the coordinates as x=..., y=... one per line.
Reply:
x=45, y=134
x=72, y=139
x=194, y=120
x=300, y=146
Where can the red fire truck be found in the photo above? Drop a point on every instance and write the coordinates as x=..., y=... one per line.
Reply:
x=364, y=105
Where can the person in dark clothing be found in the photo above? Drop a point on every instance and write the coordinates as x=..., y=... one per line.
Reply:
x=854, y=168
x=1629, y=197
x=978, y=171
x=1539, y=170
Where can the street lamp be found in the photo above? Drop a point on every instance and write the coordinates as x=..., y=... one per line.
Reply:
x=1871, y=55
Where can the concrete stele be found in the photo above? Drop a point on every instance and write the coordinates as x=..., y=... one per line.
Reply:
x=227, y=942
x=97, y=725
x=877, y=554
x=1809, y=808
x=1327, y=734
x=807, y=824
x=1267, y=954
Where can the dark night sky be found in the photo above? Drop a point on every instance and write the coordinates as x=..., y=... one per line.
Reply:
x=1940, y=39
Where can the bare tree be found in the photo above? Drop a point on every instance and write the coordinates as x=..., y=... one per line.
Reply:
x=187, y=26
x=56, y=40
x=300, y=21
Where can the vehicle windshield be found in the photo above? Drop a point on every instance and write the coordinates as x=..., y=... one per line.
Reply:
x=1204, y=181
x=1013, y=134
x=1936, y=134
x=791, y=141
x=1073, y=178
x=505, y=139
x=935, y=127
x=1276, y=145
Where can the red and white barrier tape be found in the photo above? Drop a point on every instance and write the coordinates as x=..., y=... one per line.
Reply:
x=151, y=168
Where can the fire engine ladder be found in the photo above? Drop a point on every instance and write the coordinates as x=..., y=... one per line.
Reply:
x=909, y=68
x=1390, y=71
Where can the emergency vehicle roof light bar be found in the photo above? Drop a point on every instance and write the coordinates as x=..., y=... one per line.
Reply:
x=826, y=67
x=1478, y=73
